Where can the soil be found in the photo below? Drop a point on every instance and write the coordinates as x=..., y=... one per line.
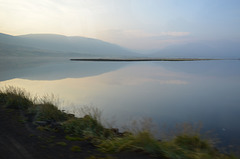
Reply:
x=21, y=139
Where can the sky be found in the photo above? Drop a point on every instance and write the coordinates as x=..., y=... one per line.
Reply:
x=134, y=24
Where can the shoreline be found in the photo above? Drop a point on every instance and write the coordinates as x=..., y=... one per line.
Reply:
x=142, y=59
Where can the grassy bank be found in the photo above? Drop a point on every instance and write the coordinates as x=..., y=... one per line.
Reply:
x=47, y=117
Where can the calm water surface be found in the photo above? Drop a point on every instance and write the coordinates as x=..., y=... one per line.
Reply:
x=168, y=92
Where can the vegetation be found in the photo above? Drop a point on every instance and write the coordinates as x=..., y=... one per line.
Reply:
x=76, y=149
x=143, y=142
x=86, y=126
x=62, y=143
x=47, y=116
x=46, y=112
x=15, y=98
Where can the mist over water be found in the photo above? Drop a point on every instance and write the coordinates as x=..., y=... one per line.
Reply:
x=168, y=92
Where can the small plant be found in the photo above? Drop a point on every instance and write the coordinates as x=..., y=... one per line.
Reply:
x=61, y=143
x=76, y=149
x=41, y=128
x=73, y=138
x=22, y=120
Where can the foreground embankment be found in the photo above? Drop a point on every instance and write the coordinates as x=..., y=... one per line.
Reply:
x=36, y=128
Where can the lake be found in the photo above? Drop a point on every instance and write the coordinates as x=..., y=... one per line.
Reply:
x=168, y=92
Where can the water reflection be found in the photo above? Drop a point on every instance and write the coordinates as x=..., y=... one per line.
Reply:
x=93, y=87
x=48, y=69
x=167, y=92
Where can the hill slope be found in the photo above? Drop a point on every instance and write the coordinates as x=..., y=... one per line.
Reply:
x=51, y=44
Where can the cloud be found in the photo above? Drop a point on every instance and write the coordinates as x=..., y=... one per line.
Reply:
x=177, y=34
x=144, y=34
x=140, y=39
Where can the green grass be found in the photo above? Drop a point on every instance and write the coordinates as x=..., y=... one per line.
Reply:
x=184, y=145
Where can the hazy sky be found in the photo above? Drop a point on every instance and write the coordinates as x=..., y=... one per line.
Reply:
x=136, y=24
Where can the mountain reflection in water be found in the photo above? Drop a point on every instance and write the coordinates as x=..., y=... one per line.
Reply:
x=168, y=92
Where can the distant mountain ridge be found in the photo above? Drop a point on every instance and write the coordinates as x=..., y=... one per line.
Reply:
x=201, y=49
x=48, y=44
x=75, y=46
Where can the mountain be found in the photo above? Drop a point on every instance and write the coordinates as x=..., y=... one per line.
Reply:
x=201, y=49
x=38, y=54
x=58, y=45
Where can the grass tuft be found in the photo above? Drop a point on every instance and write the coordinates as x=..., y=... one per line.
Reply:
x=143, y=142
x=49, y=111
x=191, y=142
x=15, y=98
